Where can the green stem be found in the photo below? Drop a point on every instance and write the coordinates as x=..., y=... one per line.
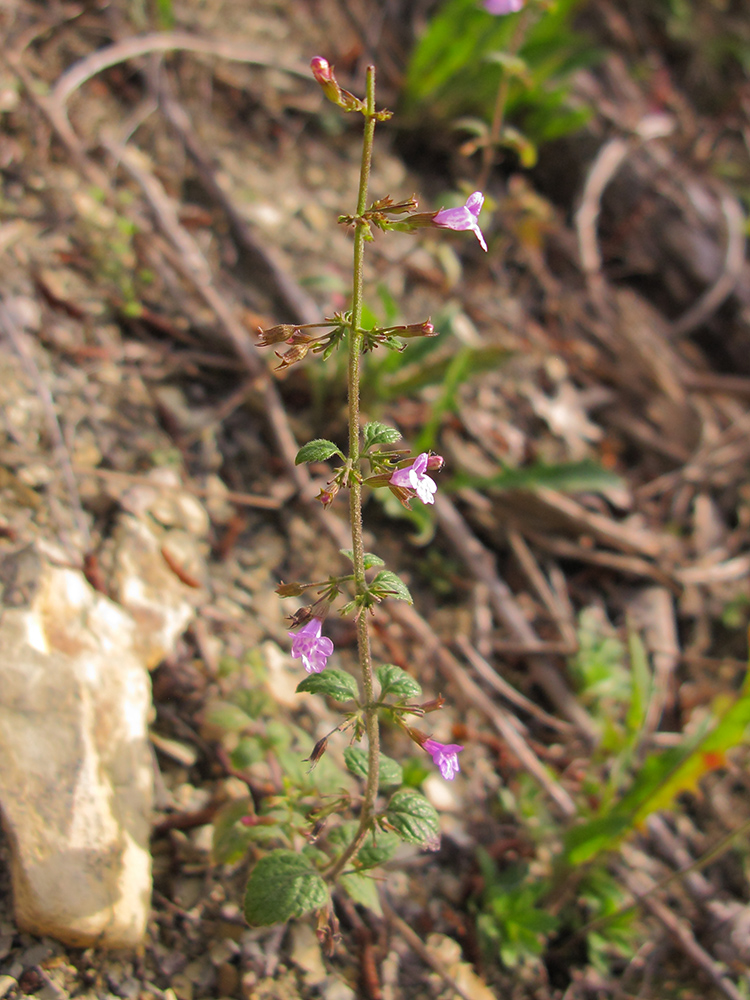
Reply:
x=355, y=494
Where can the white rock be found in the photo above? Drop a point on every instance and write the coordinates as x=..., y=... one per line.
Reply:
x=76, y=780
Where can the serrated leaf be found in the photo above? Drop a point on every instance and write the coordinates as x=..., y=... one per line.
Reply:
x=388, y=584
x=362, y=889
x=397, y=684
x=336, y=684
x=377, y=433
x=283, y=885
x=389, y=774
x=317, y=451
x=377, y=849
x=370, y=558
x=356, y=761
x=414, y=819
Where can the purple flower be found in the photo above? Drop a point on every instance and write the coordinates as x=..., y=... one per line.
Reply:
x=445, y=756
x=503, y=6
x=313, y=647
x=464, y=217
x=413, y=477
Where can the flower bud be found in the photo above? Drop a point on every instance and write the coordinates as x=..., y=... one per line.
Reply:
x=321, y=69
x=323, y=73
x=318, y=750
x=290, y=590
x=276, y=334
x=434, y=705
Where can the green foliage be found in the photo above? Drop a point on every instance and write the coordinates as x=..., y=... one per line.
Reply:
x=457, y=64
x=336, y=684
x=566, y=476
x=283, y=885
x=317, y=451
x=513, y=920
x=389, y=774
x=376, y=433
x=362, y=889
x=370, y=559
x=414, y=819
x=389, y=584
x=661, y=779
x=377, y=849
x=396, y=684
x=613, y=932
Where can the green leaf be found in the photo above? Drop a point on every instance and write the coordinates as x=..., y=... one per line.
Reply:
x=363, y=890
x=370, y=558
x=414, y=819
x=568, y=477
x=227, y=717
x=389, y=774
x=388, y=584
x=377, y=433
x=230, y=839
x=641, y=684
x=317, y=451
x=283, y=885
x=521, y=145
x=336, y=684
x=512, y=64
x=377, y=849
x=397, y=684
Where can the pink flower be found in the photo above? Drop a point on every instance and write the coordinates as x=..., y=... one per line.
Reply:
x=413, y=477
x=503, y=6
x=445, y=756
x=464, y=217
x=313, y=647
x=321, y=69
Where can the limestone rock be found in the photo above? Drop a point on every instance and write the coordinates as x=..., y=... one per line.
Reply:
x=158, y=569
x=76, y=777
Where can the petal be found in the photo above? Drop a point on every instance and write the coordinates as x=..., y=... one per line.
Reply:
x=402, y=477
x=455, y=218
x=311, y=629
x=474, y=203
x=480, y=237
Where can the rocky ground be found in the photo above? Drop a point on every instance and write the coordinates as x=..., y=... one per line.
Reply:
x=589, y=392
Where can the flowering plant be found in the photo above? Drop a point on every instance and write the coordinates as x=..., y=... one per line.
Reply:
x=284, y=883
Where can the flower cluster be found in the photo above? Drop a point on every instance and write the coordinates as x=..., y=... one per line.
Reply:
x=405, y=476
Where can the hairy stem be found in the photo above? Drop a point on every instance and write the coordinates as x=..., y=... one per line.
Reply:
x=355, y=493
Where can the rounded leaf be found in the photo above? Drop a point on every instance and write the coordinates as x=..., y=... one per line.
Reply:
x=390, y=772
x=336, y=684
x=397, y=684
x=283, y=885
x=414, y=819
x=317, y=451
x=389, y=584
